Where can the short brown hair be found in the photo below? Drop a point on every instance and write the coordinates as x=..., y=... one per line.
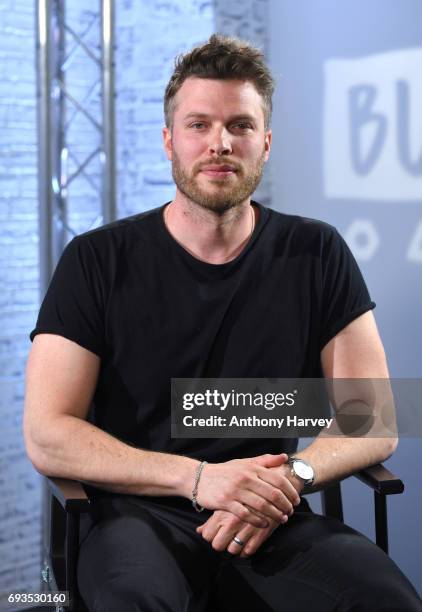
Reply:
x=222, y=57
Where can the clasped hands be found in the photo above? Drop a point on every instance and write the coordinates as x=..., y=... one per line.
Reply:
x=250, y=498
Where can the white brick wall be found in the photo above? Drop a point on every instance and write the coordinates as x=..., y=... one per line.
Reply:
x=149, y=34
x=19, y=484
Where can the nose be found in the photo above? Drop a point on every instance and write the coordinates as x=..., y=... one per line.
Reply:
x=220, y=142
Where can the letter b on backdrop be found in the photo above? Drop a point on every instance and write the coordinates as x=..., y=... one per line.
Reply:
x=373, y=127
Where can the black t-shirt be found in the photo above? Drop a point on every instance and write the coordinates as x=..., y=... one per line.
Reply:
x=151, y=311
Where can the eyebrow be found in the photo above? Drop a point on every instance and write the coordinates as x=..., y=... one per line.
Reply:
x=241, y=117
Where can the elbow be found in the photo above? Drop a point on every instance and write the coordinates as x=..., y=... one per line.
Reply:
x=394, y=442
x=389, y=447
x=35, y=452
x=37, y=458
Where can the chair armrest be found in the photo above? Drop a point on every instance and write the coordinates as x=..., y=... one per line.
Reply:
x=70, y=494
x=381, y=480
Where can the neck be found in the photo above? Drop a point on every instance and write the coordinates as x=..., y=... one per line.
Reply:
x=209, y=236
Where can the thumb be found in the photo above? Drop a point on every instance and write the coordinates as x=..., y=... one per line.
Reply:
x=271, y=460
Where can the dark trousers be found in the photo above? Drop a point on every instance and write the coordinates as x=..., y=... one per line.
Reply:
x=143, y=554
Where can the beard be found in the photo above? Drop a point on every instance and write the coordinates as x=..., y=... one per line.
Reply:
x=222, y=194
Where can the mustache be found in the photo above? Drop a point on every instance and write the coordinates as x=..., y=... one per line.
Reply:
x=214, y=162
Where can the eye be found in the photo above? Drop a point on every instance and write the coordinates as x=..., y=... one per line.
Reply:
x=197, y=125
x=243, y=125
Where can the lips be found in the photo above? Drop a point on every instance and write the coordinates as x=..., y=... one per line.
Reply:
x=218, y=170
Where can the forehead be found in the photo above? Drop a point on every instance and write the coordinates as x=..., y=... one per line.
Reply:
x=218, y=97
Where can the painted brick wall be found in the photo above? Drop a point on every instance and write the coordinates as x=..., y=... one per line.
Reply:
x=19, y=485
x=144, y=64
x=149, y=34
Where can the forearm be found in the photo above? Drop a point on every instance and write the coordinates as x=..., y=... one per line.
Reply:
x=73, y=448
x=335, y=458
x=70, y=447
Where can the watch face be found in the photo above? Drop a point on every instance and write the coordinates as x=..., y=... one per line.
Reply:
x=303, y=470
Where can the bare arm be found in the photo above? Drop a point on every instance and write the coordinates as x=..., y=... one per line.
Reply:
x=356, y=352
x=61, y=381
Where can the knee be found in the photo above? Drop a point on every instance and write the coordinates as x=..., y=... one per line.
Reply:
x=130, y=593
x=383, y=596
x=116, y=595
x=364, y=578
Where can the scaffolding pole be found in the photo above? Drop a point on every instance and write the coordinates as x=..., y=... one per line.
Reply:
x=54, y=150
x=54, y=100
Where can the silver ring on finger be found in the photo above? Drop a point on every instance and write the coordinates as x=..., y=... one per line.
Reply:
x=238, y=541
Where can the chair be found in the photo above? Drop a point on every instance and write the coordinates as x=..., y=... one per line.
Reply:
x=69, y=501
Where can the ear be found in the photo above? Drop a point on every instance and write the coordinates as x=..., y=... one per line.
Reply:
x=267, y=143
x=168, y=146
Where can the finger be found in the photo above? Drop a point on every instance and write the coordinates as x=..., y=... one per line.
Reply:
x=246, y=515
x=270, y=494
x=225, y=536
x=252, y=545
x=277, y=479
x=255, y=541
x=209, y=521
x=271, y=460
x=280, y=479
x=210, y=526
x=244, y=535
x=216, y=518
x=271, y=523
x=210, y=531
x=256, y=502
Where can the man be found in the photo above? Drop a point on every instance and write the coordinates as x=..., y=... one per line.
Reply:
x=208, y=285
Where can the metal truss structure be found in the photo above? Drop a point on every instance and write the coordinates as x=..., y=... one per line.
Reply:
x=76, y=143
x=76, y=124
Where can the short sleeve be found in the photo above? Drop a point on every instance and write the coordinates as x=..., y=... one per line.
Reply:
x=73, y=306
x=344, y=293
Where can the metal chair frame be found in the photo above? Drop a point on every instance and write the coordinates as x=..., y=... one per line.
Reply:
x=69, y=501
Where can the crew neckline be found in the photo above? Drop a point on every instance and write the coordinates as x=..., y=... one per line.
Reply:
x=262, y=219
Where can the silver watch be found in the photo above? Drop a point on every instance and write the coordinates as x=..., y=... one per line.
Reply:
x=302, y=470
